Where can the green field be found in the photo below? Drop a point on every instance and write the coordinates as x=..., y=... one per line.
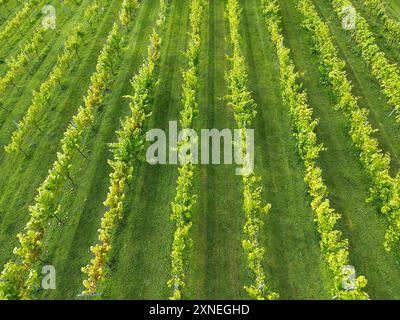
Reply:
x=138, y=265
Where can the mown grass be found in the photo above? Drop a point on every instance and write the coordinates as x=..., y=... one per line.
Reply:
x=26, y=29
x=378, y=29
x=84, y=208
x=15, y=169
x=6, y=11
x=217, y=267
x=26, y=174
x=140, y=259
x=144, y=241
x=346, y=180
x=290, y=231
x=394, y=8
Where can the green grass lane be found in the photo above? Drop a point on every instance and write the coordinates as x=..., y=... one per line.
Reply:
x=377, y=28
x=17, y=102
x=7, y=15
x=393, y=7
x=26, y=174
x=217, y=265
x=64, y=19
x=83, y=208
x=26, y=28
x=365, y=86
x=140, y=261
x=294, y=263
x=288, y=272
x=348, y=185
x=7, y=10
x=143, y=243
x=14, y=201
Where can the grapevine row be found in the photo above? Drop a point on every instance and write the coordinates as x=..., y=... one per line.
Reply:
x=128, y=7
x=20, y=62
x=376, y=163
x=18, y=277
x=42, y=97
x=334, y=248
x=387, y=74
x=392, y=27
x=14, y=23
x=244, y=113
x=184, y=199
x=125, y=151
